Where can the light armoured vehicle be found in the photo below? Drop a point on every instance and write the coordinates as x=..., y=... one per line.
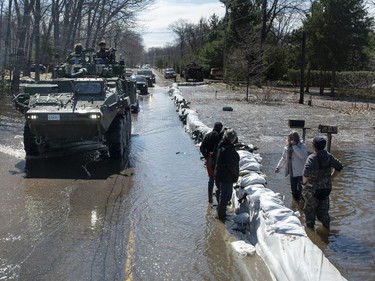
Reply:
x=86, y=107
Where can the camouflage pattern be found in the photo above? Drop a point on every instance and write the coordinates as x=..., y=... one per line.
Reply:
x=318, y=169
x=315, y=207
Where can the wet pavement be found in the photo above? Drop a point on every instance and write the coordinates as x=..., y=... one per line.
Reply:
x=142, y=218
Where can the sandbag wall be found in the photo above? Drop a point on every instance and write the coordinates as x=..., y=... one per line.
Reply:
x=274, y=230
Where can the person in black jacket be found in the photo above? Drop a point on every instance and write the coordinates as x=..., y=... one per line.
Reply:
x=103, y=53
x=226, y=170
x=208, y=149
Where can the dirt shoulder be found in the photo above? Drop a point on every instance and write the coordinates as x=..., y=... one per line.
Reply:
x=263, y=119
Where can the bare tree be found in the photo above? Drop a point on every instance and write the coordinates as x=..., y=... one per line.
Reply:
x=20, y=56
x=247, y=59
x=181, y=29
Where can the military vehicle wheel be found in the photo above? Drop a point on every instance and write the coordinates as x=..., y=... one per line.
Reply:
x=31, y=148
x=115, y=138
x=128, y=127
x=135, y=109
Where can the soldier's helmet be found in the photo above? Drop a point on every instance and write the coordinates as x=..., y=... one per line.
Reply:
x=78, y=47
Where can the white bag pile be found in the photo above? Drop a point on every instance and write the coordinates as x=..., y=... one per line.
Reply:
x=275, y=230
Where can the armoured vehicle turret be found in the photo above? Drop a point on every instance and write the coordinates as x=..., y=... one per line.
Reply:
x=87, y=64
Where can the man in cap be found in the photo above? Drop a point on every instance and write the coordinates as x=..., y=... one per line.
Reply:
x=208, y=149
x=320, y=168
x=227, y=170
x=103, y=52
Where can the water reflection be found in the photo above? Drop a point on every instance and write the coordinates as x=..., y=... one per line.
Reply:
x=352, y=241
x=87, y=165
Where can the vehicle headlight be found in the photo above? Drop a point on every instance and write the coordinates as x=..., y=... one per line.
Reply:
x=32, y=116
x=95, y=116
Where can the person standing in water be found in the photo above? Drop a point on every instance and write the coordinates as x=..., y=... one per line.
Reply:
x=293, y=161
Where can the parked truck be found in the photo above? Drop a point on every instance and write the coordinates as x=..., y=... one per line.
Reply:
x=193, y=72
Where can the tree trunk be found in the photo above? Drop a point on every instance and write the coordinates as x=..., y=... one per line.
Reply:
x=8, y=47
x=247, y=80
x=56, y=28
x=333, y=83
x=20, y=57
x=37, y=16
x=321, y=83
x=264, y=22
x=1, y=34
x=307, y=90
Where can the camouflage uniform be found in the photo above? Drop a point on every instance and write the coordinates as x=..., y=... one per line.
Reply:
x=318, y=169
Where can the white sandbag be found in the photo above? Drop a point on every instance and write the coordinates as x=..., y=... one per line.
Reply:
x=253, y=178
x=243, y=248
x=251, y=166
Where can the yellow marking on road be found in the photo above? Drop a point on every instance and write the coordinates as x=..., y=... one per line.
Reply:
x=129, y=255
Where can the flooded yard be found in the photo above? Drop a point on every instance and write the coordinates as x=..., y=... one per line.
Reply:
x=350, y=243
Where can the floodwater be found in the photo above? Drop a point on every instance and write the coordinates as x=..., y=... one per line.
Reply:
x=74, y=218
x=78, y=219
x=350, y=242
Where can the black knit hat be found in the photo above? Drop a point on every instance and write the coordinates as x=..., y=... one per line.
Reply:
x=218, y=126
x=319, y=143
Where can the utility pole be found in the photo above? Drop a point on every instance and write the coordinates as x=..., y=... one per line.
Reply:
x=302, y=82
x=225, y=41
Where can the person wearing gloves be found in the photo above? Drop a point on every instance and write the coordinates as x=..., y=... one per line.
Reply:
x=227, y=170
x=293, y=161
x=320, y=168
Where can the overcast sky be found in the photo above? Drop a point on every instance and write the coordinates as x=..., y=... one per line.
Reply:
x=165, y=12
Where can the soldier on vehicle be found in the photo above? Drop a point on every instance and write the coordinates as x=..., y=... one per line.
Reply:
x=103, y=52
x=107, y=55
x=78, y=52
x=320, y=168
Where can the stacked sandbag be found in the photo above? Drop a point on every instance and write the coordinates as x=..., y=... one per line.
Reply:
x=273, y=229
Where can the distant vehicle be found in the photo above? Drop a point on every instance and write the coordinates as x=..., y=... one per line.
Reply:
x=216, y=73
x=142, y=84
x=42, y=68
x=169, y=73
x=149, y=76
x=193, y=72
x=128, y=72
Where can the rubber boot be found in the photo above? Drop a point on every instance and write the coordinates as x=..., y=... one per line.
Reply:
x=210, y=197
x=217, y=195
x=222, y=212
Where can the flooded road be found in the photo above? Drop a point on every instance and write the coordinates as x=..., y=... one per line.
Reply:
x=73, y=219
